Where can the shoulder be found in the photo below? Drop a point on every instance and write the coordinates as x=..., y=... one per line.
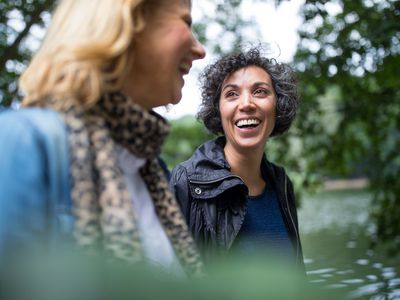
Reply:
x=208, y=157
x=178, y=174
x=30, y=132
x=273, y=169
x=29, y=138
x=179, y=184
x=30, y=122
x=276, y=172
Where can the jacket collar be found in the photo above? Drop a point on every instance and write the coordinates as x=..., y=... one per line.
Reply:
x=208, y=163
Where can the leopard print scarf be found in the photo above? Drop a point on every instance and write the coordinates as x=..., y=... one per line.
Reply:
x=103, y=208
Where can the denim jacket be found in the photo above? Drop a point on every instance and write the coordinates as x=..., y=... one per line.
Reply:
x=35, y=201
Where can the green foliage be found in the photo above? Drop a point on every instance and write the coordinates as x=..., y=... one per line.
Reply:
x=348, y=60
x=228, y=26
x=62, y=276
x=186, y=135
x=18, y=19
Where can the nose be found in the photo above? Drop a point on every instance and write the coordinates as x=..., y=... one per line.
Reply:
x=246, y=102
x=198, y=49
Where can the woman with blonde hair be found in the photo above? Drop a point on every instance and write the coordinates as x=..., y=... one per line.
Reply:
x=80, y=159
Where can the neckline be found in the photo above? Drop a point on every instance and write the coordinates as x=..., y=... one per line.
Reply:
x=258, y=197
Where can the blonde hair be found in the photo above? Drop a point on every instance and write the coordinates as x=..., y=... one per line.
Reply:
x=85, y=52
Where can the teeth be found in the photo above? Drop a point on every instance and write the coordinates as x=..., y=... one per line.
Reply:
x=247, y=122
x=184, y=67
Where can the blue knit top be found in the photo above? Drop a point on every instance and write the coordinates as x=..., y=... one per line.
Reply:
x=263, y=229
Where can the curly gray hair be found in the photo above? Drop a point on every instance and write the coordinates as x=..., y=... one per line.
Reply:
x=283, y=81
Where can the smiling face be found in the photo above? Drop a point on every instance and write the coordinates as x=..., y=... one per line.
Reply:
x=247, y=105
x=163, y=54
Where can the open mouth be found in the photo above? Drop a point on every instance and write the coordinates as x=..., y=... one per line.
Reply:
x=184, y=68
x=247, y=123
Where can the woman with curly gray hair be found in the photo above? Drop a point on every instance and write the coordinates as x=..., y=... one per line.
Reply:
x=233, y=198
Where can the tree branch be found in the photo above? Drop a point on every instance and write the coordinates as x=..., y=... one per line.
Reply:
x=11, y=51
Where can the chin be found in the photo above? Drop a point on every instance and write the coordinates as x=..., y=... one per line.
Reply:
x=176, y=99
x=251, y=145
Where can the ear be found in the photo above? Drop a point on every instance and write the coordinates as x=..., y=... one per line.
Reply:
x=139, y=16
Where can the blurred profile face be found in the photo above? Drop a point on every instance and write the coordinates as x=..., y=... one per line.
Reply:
x=163, y=54
x=248, y=109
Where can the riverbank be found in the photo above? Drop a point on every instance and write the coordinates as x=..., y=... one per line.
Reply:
x=342, y=184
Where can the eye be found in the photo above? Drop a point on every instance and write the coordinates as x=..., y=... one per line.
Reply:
x=261, y=92
x=230, y=94
x=188, y=21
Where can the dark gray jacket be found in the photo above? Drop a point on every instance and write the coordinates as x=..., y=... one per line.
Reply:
x=214, y=200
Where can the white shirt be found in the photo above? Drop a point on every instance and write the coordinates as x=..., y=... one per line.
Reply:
x=156, y=245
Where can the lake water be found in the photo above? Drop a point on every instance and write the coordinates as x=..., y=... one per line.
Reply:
x=335, y=230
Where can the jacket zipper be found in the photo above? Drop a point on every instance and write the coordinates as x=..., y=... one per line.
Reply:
x=291, y=219
x=215, y=180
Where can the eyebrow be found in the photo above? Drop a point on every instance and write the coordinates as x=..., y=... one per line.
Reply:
x=185, y=2
x=229, y=85
x=257, y=83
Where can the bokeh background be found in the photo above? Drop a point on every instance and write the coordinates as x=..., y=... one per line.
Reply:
x=343, y=150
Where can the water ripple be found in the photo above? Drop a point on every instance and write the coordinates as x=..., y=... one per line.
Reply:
x=353, y=281
x=351, y=244
x=372, y=277
x=317, y=280
x=377, y=265
x=320, y=271
x=336, y=286
x=308, y=260
x=394, y=294
x=362, y=262
x=389, y=275
x=394, y=282
x=344, y=272
x=366, y=290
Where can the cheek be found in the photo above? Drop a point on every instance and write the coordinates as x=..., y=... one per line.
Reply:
x=273, y=111
x=222, y=118
x=223, y=113
x=186, y=35
x=273, y=116
x=273, y=108
x=181, y=37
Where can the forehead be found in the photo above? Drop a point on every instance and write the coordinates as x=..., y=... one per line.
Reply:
x=170, y=7
x=249, y=73
x=168, y=3
x=186, y=3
